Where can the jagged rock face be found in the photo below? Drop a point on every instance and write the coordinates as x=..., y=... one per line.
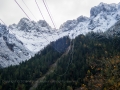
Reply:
x=13, y=26
x=117, y=17
x=36, y=35
x=43, y=23
x=3, y=30
x=102, y=7
x=92, y=25
x=104, y=15
x=12, y=51
x=69, y=25
x=25, y=24
x=33, y=34
x=82, y=19
x=101, y=18
x=114, y=30
x=28, y=26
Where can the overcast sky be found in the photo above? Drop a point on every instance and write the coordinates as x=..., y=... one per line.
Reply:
x=61, y=10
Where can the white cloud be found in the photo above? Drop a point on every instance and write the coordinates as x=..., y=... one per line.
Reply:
x=61, y=10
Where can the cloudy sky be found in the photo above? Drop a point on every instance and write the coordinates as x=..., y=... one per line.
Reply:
x=61, y=10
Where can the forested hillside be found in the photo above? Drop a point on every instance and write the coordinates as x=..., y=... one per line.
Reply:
x=93, y=63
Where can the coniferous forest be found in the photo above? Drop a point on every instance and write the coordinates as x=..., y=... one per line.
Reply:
x=92, y=62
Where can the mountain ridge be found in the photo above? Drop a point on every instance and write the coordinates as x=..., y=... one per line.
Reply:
x=35, y=36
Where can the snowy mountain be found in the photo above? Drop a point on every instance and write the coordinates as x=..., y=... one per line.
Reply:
x=12, y=50
x=114, y=30
x=34, y=35
x=102, y=17
x=29, y=36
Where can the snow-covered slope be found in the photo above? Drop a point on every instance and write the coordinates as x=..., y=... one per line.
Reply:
x=114, y=30
x=36, y=35
x=102, y=17
x=12, y=50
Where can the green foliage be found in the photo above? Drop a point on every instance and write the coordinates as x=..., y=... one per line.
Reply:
x=87, y=60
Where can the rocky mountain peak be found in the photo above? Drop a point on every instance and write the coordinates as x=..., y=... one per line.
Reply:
x=25, y=24
x=3, y=30
x=82, y=19
x=43, y=24
x=103, y=7
x=68, y=25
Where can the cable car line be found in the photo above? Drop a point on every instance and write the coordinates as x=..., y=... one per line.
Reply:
x=41, y=14
x=49, y=30
x=70, y=60
x=49, y=14
x=2, y=21
x=30, y=19
x=47, y=8
x=27, y=15
x=39, y=10
x=22, y=9
x=29, y=9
